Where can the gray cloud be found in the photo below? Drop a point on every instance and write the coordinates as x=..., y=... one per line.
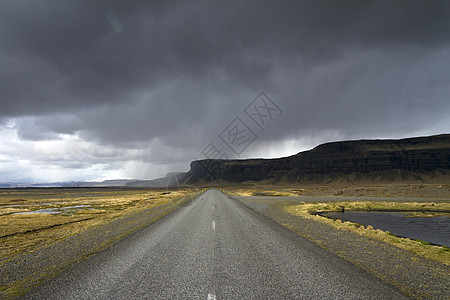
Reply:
x=167, y=76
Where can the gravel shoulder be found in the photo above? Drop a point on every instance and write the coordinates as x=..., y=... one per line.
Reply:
x=414, y=275
x=24, y=271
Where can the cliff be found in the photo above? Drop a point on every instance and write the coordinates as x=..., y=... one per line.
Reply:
x=412, y=159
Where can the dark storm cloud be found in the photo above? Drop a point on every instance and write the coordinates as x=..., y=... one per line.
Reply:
x=127, y=72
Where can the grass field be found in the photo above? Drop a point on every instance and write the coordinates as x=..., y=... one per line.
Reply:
x=425, y=191
x=31, y=218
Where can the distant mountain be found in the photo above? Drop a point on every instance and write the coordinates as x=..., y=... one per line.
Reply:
x=27, y=184
x=170, y=180
x=421, y=159
x=106, y=183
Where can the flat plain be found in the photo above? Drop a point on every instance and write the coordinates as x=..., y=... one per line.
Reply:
x=46, y=231
x=31, y=218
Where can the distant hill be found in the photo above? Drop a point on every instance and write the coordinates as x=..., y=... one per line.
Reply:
x=170, y=180
x=421, y=159
x=68, y=184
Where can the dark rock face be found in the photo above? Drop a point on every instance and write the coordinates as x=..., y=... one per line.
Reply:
x=363, y=159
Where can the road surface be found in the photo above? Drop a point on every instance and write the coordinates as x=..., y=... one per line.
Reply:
x=215, y=248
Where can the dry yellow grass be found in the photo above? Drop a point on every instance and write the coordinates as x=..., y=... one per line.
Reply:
x=441, y=208
x=22, y=230
x=386, y=191
x=438, y=253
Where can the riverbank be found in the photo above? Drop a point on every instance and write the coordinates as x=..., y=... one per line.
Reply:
x=315, y=211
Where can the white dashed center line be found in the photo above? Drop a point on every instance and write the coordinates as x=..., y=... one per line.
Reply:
x=213, y=225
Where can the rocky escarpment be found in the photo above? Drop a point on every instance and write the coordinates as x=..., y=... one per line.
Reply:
x=417, y=159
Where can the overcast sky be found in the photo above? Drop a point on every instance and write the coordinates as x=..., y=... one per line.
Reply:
x=93, y=90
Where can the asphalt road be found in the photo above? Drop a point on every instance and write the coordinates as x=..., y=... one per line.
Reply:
x=215, y=248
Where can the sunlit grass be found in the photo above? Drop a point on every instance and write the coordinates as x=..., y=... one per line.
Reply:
x=438, y=253
x=21, y=229
x=437, y=191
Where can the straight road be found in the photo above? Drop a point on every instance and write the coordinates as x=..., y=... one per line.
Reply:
x=215, y=248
